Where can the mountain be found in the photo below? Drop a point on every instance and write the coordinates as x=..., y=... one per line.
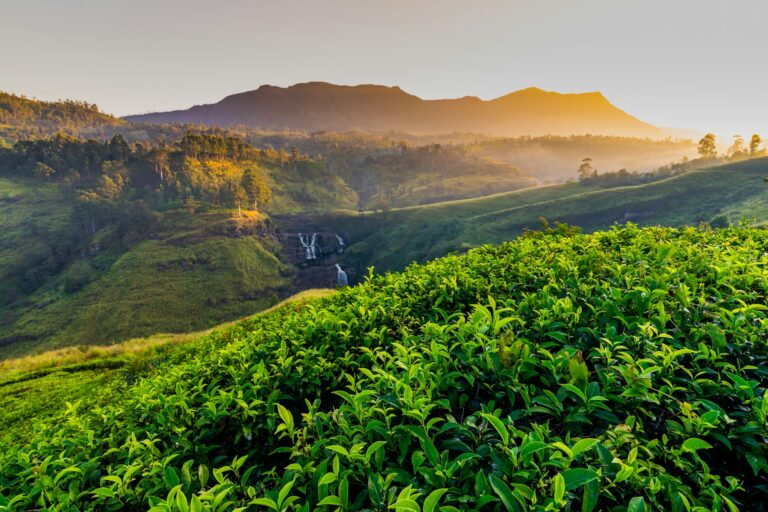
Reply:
x=323, y=106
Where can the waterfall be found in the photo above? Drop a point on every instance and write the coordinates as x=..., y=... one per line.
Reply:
x=341, y=243
x=309, y=245
x=341, y=276
x=313, y=246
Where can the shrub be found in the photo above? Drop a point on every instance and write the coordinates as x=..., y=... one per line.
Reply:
x=624, y=370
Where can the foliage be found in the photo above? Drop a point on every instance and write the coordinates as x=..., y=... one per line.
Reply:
x=39, y=387
x=85, y=223
x=404, y=176
x=22, y=118
x=402, y=169
x=623, y=370
x=708, y=146
x=586, y=171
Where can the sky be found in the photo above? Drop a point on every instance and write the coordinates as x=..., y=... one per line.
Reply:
x=698, y=64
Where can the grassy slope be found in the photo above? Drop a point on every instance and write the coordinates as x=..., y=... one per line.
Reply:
x=225, y=278
x=393, y=239
x=190, y=275
x=36, y=387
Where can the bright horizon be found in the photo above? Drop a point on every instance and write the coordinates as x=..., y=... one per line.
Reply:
x=688, y=64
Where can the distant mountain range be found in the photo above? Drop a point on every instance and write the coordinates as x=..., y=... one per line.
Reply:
x=322, y=106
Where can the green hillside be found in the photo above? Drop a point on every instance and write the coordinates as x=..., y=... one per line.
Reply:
x=38, y=387
x=623, y=370
x=145, y=240
x=104, y=241
x=185, y=272
x=391, y=240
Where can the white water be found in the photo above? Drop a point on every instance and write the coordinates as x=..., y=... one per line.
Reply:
x=341, y=276
x=341, y=243
x=309, y=244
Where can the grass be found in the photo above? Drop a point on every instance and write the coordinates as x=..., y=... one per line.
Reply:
x=60, y=287
x=68, y=356
x=157, y=286
x=189, y=273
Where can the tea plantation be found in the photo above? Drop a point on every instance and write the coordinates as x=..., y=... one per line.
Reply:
x=624, y=370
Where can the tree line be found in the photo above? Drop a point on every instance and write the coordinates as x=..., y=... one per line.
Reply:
x=111, y=179
x=737, y=151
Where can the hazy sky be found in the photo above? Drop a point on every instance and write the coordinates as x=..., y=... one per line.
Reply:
x=681, y=63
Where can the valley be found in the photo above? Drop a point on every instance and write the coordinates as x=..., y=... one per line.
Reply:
x=721, y=196
x=174, y=228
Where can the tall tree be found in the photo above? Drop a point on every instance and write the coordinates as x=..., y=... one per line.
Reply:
x=754, y=145
x=586, y=171
x=118, y=148
x=737, y=148
x=708, y=146
x=159, y=159
x=256, y=188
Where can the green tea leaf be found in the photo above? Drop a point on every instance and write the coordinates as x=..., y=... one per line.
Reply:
x=430, y=502
x=694, y=444
x=575, y=478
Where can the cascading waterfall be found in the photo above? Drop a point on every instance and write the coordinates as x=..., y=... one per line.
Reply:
x=341, y=243
x=313, y=246
x=341, y=276
x=309, y=245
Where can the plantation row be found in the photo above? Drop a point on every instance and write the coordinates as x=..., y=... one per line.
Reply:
x=624, y=370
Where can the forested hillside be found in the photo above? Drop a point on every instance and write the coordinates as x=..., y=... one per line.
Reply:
x=140, y=225
x=103, y=241
x=22, y=118
x=399, y=169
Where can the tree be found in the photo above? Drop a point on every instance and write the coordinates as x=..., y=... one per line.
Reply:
x=754, y=145
x=256, y=188
x=737, y=148
x=107, y=188
x=118, y=148
x=159, y=160
x=239, y=195
x=586, y=171
x=708, y=146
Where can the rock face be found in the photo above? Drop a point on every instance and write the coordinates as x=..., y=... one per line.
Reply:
x=314, y=253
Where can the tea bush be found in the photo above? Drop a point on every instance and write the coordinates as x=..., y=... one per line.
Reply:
x=624, y=370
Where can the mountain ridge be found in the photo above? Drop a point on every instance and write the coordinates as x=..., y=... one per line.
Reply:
x=314, y=106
